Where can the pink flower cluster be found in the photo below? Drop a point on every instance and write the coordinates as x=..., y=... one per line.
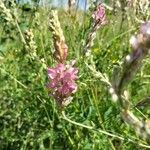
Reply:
x=99, y=14
x=62, y=82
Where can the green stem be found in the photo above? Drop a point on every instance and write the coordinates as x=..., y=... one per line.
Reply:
x=20, y=32
x=103, y=132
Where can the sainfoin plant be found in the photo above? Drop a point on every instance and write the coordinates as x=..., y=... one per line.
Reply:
x=62, y=83
x=62, y=77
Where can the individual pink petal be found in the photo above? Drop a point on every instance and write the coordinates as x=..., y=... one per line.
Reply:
x=60, y=68
x=65, y=90
x=71, y=73
x=51, y=73
x=73, y=87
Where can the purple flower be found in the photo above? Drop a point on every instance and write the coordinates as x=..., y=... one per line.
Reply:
x=62, y=82
x=144, y=37
x=99, y=14
x=145, y=28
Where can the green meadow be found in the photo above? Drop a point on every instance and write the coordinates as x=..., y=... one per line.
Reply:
x=30, y=118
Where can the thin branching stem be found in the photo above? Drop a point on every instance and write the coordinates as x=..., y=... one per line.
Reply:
x=103, y=132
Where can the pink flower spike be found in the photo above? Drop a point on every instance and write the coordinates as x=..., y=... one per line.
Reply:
x=62, y=82
x=99, y=14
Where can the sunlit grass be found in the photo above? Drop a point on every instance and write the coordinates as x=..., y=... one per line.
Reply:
x=29, y=117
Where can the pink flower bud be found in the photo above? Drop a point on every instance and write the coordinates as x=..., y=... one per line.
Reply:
x=99, y=14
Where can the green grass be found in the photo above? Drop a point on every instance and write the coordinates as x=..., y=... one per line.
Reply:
x=30, y=119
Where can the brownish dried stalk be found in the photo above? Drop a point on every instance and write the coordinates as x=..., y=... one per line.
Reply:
x=141, y=48
x=60, y=53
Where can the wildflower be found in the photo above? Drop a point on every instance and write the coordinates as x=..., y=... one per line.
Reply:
x=99, y=18
x=99, y=14
x=62, y=77
x=62, y=82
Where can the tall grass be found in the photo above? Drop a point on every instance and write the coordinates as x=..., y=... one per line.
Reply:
x=30, y=118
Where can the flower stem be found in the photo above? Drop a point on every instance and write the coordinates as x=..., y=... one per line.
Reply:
x=103, y=132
